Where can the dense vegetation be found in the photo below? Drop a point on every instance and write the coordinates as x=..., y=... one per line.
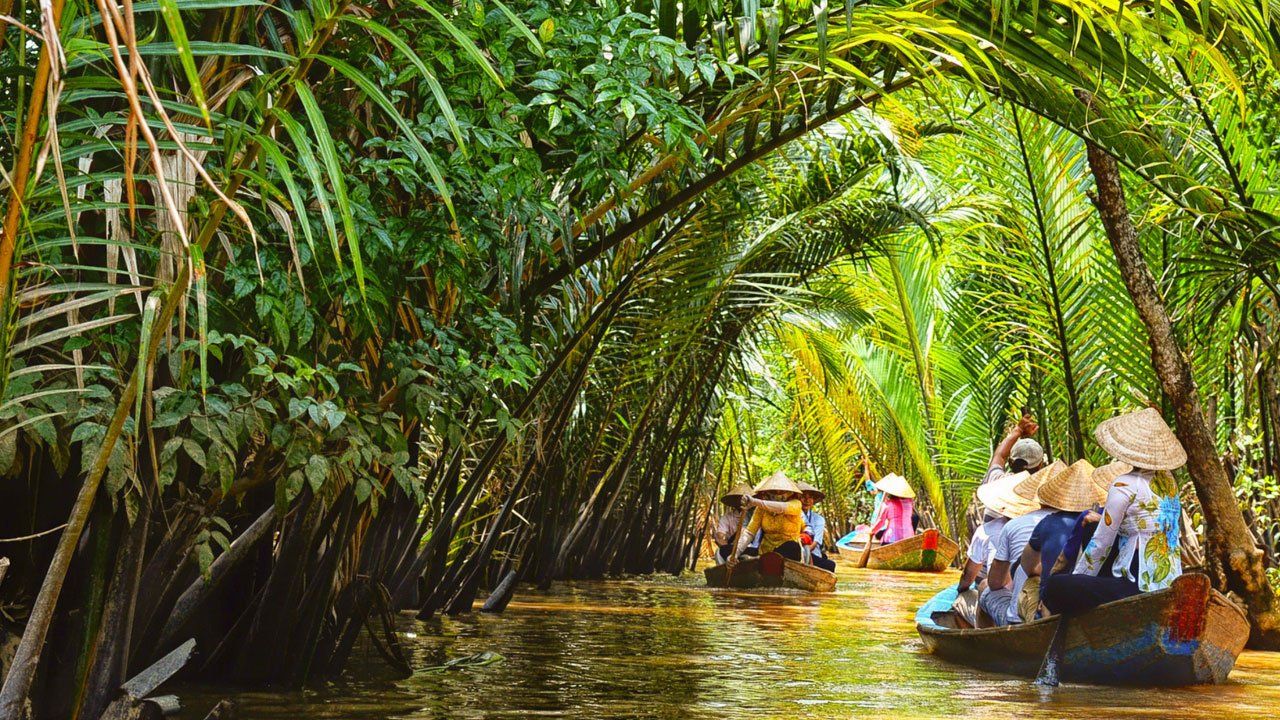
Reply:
x=314, y=311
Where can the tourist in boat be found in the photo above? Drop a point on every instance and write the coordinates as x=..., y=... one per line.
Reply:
x=896, y=519
x=1004, y=579
x=815, y=527
x=1017, y=452
x=726, y=533
x=1005, y=500
x=778, y=517
x=1141, y=520
x=1065, y=560
x=1070, y=494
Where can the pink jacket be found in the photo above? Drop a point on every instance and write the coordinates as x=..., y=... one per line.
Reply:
x=894, y=519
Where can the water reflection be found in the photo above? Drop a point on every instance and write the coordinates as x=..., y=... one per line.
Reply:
x=667, y=647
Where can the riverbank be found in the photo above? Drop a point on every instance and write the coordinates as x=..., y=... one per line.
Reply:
x=666, y=647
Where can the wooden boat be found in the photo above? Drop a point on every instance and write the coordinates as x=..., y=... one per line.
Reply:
x=771, y=570
x=854, y=542
x=930, y=551
x=1186, y=634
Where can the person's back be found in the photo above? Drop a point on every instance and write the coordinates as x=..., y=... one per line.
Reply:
x=1050, y=537
x=1005, y=578
x=1134, y=548
x=897, y=512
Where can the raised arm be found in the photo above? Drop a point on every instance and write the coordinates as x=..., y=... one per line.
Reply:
x=778, y=507
x=1026, y=427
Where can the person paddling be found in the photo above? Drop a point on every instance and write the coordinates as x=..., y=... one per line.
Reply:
x=1141, y=519
x=726, y=532
x=778, y=516
x=894, y=522
x=815, y=527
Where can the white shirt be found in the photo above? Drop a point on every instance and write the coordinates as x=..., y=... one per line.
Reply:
x=1009, y=545
x=981, y=547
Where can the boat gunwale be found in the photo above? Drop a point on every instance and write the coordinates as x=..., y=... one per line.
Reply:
x=1144, y=598
x=811, y=573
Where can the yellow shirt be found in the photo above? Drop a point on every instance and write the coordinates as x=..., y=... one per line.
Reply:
x=778, y=528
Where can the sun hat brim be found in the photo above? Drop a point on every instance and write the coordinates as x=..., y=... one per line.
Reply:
x=808, y=489
x=778, y=482
x=1028, y=487
x=740, y=490
x=1104, y=476
x=1071, y=490
x=895, y=485
x=999, y=496
x=1142, y=439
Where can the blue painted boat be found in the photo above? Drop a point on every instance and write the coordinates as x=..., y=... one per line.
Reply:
x=1186, y=634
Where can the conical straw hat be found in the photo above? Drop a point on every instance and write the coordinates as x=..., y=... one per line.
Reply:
x=1027, y=488
x=808, y=489
x=1142, y=439
x=741, y=490
x=779, y=482
x=1107, y=474
x=1071, y=490
x=895, y=485
x=999, y=496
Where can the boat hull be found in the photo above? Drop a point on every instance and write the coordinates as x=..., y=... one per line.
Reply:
x=771, y=570
x=1187, y=634
x=930, y=551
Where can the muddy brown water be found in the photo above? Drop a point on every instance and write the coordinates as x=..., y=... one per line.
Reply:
x=665, y=647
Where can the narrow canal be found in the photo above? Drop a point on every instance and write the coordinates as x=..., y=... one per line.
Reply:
x=669, y=648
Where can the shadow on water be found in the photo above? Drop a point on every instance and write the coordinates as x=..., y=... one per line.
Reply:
x=667, y=647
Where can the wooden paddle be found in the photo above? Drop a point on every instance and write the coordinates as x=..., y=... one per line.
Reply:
x=866, y=551
x=733, y=552
x=1048, y=676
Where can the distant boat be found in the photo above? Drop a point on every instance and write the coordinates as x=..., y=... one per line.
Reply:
x=930, y=551
x=854, y=541
x=1186, y=634
x=771, y=570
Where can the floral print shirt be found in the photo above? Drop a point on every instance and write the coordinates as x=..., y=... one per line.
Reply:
x=1143, y=513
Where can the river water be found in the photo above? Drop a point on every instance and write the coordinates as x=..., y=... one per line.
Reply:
x=666, y=647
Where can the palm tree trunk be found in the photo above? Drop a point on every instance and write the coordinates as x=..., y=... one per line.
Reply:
x=1232, y=559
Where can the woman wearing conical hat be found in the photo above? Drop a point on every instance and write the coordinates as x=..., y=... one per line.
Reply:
x=778, y=516
x=1088, y=521
x=895, y=520
x=1141, y=519
x=726, y=532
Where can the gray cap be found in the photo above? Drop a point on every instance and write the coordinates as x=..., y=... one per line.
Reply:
x=1028, y=451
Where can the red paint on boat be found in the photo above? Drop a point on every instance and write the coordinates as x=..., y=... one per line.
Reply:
x=771, y=564
x=1186, y=622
